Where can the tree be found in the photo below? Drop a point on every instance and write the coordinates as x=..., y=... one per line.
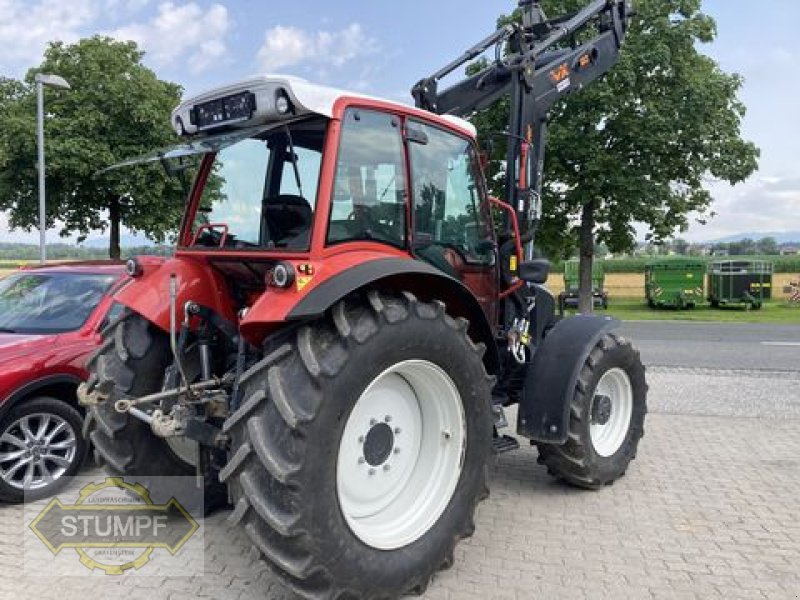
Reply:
x=680, y=246
x=768, y=246
x=639, y=145
x=117, y=109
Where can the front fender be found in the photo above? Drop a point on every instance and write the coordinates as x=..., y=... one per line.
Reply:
x=148, y=294
x=343, y=275
x=550, y=381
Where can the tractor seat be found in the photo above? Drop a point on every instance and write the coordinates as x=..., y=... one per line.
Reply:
x=288, y=219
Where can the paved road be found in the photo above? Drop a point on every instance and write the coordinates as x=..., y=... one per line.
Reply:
x=717, y=345
x=709, y=510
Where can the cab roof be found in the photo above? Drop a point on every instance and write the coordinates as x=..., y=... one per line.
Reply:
x=312, y=98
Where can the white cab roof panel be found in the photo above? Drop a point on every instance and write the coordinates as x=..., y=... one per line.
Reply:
x=306, y=98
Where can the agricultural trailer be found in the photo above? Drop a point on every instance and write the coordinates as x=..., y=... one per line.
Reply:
x=745, y=283
x=569, y=297
x=674, y=283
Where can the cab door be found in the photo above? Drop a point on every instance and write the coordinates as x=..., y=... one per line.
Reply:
x=451, y=216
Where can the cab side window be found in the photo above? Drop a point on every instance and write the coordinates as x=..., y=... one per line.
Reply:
x=450, y=210
x=369, y=197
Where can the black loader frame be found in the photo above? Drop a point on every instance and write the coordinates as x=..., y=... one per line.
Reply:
x=538, y=62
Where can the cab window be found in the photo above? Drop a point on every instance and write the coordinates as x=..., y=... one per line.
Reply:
x=261, y=192
x=369, y=196
x=450, y=210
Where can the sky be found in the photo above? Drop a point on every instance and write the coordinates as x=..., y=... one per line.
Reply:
x=382, y=48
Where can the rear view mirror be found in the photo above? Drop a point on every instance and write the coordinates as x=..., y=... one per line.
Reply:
x=416, y=136
x=535, y=271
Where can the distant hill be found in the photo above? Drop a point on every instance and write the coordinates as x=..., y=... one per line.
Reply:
x=782, y=237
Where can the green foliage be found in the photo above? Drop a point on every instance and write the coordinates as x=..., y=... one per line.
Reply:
x=783, y=264
x=117, y=109
x=641, y=143
x=767, y=246
x=13, y=255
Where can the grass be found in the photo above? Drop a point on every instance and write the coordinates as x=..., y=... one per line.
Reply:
x=772, y=312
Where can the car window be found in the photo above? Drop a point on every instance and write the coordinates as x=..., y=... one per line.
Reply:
x=49, y=302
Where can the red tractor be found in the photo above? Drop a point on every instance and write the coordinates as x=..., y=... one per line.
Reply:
x=337, y=337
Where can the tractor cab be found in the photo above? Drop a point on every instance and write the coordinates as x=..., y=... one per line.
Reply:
x=285, y=159
x=293, y=174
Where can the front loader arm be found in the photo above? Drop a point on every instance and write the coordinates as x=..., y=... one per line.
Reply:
x=543, y=63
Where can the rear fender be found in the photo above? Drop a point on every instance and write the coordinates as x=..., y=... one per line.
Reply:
x=275, y=308
x=550, y=381
x=148, y=294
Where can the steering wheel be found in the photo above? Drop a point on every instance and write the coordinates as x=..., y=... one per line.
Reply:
x=366, y=216
x=207, y=235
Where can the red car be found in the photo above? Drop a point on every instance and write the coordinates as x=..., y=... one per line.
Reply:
x=50, y=322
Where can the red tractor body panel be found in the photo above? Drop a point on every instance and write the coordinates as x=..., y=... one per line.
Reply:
x=196, y=281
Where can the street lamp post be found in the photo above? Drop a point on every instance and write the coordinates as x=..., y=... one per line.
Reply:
x=41, y=81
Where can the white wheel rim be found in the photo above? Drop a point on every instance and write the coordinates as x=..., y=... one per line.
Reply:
x=401, y=454
x=610, y=412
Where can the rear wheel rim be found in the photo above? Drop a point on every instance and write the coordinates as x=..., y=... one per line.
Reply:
x=611, y=412
x=36, y=450
x=401, y=454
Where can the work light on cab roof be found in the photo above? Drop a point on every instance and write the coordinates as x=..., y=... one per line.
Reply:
x=250, y=102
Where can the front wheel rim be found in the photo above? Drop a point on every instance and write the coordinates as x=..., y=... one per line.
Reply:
x=610, y=412
x=401, y=454
x=36, y=450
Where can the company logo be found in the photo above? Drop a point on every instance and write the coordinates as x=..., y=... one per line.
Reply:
x=560, y=74
x=114, y=526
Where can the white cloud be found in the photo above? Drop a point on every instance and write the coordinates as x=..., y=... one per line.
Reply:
x=290, y=46
x=765, y=203
x=27, y=26
x=182, y=31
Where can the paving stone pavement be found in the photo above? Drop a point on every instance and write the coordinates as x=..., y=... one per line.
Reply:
x=710, y=509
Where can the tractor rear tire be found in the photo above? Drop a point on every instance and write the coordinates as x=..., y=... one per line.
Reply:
x=606, y=421
x=345, y=471
x=131, y=363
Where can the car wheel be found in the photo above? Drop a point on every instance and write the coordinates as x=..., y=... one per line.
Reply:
x=40, y=448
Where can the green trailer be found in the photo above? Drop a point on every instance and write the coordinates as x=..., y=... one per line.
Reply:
x=569, y=297
x=740, y=282
x=674, y=283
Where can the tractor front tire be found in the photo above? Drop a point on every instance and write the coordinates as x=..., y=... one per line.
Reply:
x=131, y=363
x=360, y=450
x=606, y=420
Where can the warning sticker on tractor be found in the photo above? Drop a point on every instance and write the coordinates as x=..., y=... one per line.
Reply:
x=303, y=281
x=114, y=525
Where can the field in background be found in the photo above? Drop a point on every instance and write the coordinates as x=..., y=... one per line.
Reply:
x=772, y=312
x=631, y=285
x=783, y=264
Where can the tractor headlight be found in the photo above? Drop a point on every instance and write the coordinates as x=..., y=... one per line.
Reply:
x=282, y=275
x=282, y=103
x=133, y=268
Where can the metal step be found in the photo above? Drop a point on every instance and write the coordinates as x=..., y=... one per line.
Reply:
x=504, y=443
